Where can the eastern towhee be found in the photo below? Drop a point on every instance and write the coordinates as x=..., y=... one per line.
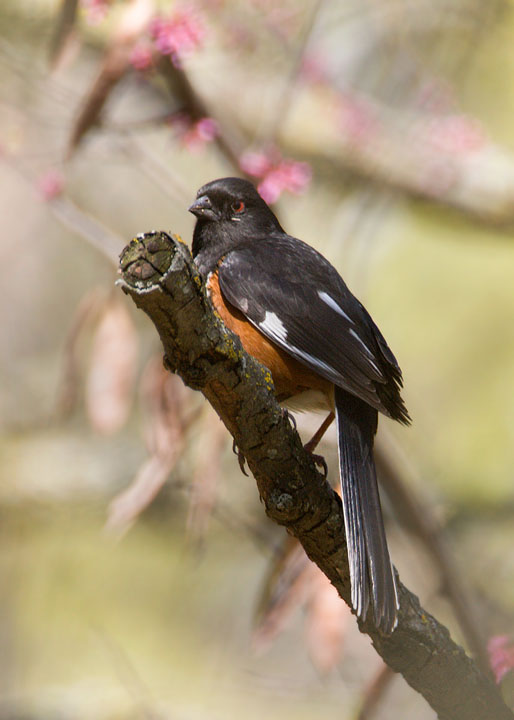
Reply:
x=294, y=313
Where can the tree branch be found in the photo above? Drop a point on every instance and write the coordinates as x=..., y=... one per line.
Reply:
x=160, y=276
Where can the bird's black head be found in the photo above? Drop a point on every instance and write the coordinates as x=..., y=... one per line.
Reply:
x=229, y=212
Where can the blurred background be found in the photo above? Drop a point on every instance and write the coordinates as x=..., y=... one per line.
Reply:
x=139, y=576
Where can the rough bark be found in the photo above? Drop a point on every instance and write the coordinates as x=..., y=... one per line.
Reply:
x=159, y=274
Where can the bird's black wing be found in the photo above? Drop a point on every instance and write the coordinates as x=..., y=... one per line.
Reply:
x=299, y=301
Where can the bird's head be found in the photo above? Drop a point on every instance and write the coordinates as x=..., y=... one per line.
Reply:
x=229, y=212
x=230, y=199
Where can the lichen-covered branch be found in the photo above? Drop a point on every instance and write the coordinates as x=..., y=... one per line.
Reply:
x=160, y=276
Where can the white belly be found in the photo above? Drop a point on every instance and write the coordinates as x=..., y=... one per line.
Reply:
x=309, y=400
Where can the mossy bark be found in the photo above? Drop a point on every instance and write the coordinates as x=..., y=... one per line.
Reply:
x=159, y=274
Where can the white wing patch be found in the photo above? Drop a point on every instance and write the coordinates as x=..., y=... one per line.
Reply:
x=314, y=360
x=274, y=326
x=368, y=351
x=328, y=300
x=352, y=332
x=332, y=303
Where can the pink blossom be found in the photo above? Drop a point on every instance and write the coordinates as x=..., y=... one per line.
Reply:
x=50, y=184
x=501, y=655
x=200, y=134
x=456, y=134
x=195, y=135
x=256, y=164
x=95, y=10
x=289, y=175
x=276, y=173
x=179, y=34
x=141, y=57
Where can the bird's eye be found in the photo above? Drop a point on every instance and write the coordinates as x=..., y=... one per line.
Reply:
x=238, y=207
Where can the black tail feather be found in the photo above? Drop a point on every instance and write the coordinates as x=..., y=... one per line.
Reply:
x=371, y=572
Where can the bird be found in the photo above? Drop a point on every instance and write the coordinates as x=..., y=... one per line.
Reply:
x=294, y=313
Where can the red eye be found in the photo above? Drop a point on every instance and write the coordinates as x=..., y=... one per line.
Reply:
x=238, y=207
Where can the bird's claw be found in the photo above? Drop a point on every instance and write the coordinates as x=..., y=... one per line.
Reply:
x=240, y=458
x=287, y=415
x=319, y=461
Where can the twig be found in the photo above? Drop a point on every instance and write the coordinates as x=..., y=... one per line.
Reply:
x=184, y=91
x=64, y=25
x=91, y=229
x=154, y=167
x=283, y=104
x=68, y=386
x=71, y=216
x=374, y=692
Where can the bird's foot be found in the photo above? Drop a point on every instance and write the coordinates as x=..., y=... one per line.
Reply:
x=287, y=415
x=319, y=461
x=240, y=457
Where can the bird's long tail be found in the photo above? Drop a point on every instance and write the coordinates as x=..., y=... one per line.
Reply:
x=371, y=573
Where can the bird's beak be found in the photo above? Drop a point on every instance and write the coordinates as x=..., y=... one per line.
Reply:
x=202, y=208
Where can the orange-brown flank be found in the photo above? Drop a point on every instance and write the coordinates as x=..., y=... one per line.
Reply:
x=290, y=377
